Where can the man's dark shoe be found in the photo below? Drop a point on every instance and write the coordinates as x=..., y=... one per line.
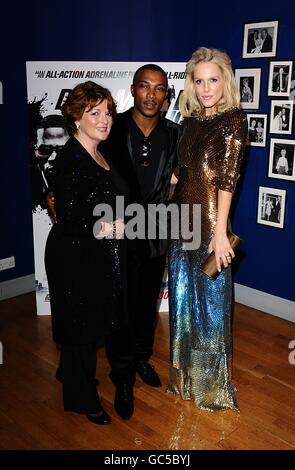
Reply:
x=148, y=374
x=124, y=401
x=102, y=417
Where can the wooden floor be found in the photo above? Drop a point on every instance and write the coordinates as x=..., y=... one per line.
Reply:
x=32, y=417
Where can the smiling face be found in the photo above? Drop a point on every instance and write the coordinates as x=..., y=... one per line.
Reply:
x=149, y=92
x=95, y=123
x=208, y=82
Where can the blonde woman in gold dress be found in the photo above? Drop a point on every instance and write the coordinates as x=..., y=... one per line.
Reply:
x=210, y=154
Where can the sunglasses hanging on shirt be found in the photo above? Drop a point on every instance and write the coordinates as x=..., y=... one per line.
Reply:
x=145, y=152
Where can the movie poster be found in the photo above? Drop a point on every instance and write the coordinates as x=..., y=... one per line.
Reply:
x=48, y=85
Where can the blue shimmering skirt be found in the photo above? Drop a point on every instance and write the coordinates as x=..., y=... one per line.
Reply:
x=200, y=331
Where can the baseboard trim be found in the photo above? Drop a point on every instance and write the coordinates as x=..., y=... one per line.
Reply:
x=268, y=303
x=18, y=286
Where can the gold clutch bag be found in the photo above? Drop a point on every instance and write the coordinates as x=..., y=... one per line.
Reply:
x=209, y=266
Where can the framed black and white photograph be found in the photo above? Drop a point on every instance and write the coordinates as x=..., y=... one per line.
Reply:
x=248, y=81
x=271, y=206
x=257, y=124
x=281, y=116
x=279, y=80
x=281, y=159
x=260, y=39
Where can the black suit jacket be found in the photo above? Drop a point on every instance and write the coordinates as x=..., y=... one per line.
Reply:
x=276, y=82
x=119, y=150
x=267, y=44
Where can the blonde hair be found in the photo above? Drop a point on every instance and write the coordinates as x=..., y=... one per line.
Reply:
x=189, y=104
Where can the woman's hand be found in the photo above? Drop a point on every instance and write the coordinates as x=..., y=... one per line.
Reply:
x=119, y=228
x=223, y=251
x=113, y=230
x=220, y=243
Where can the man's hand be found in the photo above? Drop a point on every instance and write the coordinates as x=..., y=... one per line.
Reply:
x=51, y=207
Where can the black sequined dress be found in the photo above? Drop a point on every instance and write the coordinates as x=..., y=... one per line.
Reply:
x=85, y=275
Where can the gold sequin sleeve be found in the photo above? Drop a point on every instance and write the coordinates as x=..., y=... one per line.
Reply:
x=210, y=154
x=228, y=164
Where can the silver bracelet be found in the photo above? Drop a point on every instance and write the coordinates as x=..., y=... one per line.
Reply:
x=114, y=229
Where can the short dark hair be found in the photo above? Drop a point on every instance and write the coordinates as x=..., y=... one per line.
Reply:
x=154, y=67
x=52, y=120
x=85, y=95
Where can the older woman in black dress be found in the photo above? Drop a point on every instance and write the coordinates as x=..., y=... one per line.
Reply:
x=84, y=259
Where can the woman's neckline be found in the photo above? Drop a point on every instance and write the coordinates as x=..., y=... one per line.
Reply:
x=98, y=154
x=211, y=117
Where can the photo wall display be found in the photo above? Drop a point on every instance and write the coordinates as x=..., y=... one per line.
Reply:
x=248, y=81
x=281, y=159
x=279, y=79
x=271, y=206
x=281, y=117
x=259, y=41
x=257, y=124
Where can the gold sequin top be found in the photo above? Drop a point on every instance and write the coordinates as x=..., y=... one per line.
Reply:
x=209, y=156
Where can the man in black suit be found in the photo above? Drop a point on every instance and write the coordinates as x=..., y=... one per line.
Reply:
x=285, y=119
x=142, y=146
x=280, y=81
x=267, y=41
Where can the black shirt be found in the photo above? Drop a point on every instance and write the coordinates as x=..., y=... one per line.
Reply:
x=153, y=145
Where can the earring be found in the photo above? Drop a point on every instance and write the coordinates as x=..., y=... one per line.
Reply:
x=77, y=126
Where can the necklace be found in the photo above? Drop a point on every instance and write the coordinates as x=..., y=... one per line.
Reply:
x=210, y=117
